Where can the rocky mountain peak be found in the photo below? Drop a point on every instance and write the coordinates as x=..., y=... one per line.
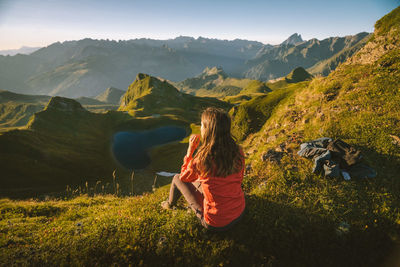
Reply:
x=214, y=71
x=293, y=39
x=64, y=104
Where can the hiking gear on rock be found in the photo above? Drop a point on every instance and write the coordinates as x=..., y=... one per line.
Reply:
x=331, y=169
x=335, y=157
x=319, y=161
x=344, y=154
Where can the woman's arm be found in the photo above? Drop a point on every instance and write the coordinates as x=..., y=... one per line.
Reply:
x=194, y=141
x=188, y=170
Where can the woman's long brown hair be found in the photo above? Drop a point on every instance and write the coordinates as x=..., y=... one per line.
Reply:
x=218, y=154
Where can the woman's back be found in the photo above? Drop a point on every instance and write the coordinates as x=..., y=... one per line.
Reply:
x=218, y=166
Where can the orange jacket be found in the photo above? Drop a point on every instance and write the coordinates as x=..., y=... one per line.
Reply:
x=223, y=196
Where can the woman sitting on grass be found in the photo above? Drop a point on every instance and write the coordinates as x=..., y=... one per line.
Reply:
x=211, y=180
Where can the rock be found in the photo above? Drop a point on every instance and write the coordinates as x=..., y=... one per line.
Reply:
x=281, y=148
x=271, y=138
x=248, y=169
x=293, y=39
x=395, y=140
x=64, y=104
x=272, y=156
x=330, y=96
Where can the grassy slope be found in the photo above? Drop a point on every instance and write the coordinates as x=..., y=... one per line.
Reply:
x=294, y=218
x=17, y=114
x=256, y=108
x=148, y=95
x=16, y=109
x=217, y=84
x=47, y=155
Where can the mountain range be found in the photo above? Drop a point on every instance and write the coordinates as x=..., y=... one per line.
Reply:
x=23, y=50
x=279, y=60
x=85, y=67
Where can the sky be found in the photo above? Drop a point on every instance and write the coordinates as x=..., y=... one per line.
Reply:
x=38, y=23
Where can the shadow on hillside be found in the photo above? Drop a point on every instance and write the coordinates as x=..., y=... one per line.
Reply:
x=387, y=165
x=277, y=234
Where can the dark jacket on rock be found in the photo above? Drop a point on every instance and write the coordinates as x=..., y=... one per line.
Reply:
x=334, y=157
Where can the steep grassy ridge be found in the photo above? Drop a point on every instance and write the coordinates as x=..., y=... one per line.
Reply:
x=250, y=116
x=148, y=96
x=16, y=109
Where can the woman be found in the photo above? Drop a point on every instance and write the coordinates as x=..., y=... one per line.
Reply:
x=211, y=180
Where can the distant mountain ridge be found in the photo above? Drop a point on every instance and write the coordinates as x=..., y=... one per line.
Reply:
x=23, y=50
x=111, y=95
x=84, y=67
x=280, y=60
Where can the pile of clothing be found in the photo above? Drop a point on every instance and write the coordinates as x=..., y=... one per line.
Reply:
x=336, y=159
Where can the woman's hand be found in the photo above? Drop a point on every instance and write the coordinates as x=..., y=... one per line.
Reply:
x=194, y=141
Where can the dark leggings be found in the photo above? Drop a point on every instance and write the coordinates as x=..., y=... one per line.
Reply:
x=193, y=193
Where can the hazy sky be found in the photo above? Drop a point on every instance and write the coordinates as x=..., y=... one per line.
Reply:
x=42, y=22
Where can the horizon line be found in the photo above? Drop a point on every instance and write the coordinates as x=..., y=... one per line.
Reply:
x=167, y=39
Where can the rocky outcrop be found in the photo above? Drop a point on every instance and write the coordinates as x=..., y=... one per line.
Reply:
x=64, y=104
x=299, y=74
x=293, y=39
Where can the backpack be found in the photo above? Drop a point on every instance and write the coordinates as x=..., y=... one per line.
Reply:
x=344, y=154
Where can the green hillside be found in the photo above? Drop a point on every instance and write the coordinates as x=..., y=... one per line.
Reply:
x=7, y=96
x=299, y=74
x=65, y=144
x=251, y=115
x=255, y=109
x=293, y=217
x=17, y=114
x=214, y=82
x=17, y=109
x=149, y=96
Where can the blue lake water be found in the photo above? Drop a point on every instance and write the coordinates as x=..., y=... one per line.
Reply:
x=130, y=149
